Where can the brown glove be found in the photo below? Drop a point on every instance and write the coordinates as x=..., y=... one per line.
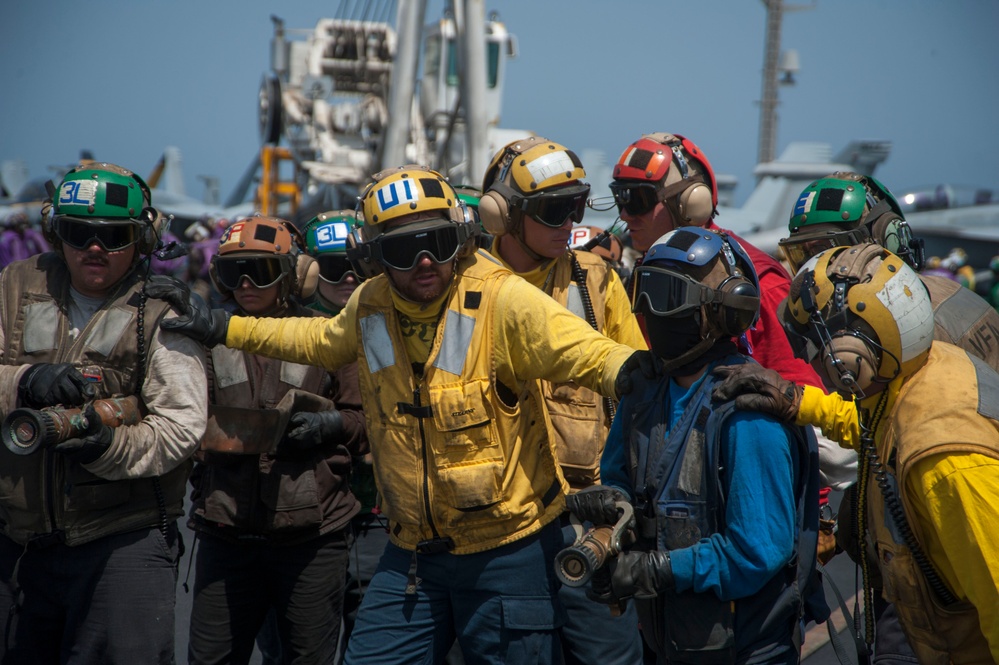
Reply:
x=755, y=388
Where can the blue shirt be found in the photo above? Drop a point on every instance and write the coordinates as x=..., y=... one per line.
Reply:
x=760, y=464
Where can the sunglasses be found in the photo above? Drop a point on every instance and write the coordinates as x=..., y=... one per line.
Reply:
x=81, y=235
x=262, y=271
x=554, y=209
x=663, y=292
x=634, y=198
x=333, y=268
x=403, y=251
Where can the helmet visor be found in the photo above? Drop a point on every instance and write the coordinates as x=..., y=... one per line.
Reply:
x=664, y=292
x=634, y=198
x=80, y=234
x=334, y=267
x=402, y=251
x=262, y=271
x=556, y=208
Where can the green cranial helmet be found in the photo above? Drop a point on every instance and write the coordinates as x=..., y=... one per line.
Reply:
x=101, y=191
x=830, y=200
x=327, y=232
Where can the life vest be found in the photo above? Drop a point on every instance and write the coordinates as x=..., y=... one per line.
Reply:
x=684, y=502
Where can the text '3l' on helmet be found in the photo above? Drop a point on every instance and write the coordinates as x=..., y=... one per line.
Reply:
x=864, y=312
x=676, y=171
x=528, y=176
x=718, y=278
x=415, y=194
x=109, y=198
x=327, y=236
x=847, y=208
x=267, y=251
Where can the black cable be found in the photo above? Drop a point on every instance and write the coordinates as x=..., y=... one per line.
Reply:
x=579, y=277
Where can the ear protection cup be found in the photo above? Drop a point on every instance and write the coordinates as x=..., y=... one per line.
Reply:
x=732, y=319
x=695, y=205
x=153, y=224
x=894, y=234
x=359, y=256
x=214, y=277
x=849, y=363
x=494, y=211
x=306, y=276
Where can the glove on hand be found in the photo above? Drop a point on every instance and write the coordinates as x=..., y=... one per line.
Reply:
x=756, y=388
x=640, y=575
x=196, y=320
x=308, y=430
x=640, y=361
x=94, y=443
x=170, y=290
x=47, y=384
x=596, y=504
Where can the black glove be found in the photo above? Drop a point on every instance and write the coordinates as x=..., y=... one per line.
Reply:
x=640, y=575
x=596, y=504
x=196, y=320
x=94, y=442
x=640, y=361
x=170, y=290
x=756, y=388
x=308, y=430
x=47, y=384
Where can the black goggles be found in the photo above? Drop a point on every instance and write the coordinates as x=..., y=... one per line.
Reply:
x=403, y=251
x=556, y=208
x=634, y=198
x=663, y=292
x=334, y=267
x=79, y=234
x=262, y=271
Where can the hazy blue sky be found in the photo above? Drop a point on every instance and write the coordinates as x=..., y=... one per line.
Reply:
x=124, y=78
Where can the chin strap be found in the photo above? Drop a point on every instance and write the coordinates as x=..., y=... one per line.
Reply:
x=669, y=365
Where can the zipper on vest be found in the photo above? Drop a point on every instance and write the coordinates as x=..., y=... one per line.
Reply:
x=426, y=462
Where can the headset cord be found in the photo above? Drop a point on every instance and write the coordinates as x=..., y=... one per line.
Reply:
x=579, y=277
x=871, y=464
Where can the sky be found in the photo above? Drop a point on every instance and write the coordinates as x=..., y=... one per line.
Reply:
x=125, y=78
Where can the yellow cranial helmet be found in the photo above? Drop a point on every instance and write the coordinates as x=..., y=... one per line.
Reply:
x=865, y=312
x=409, y=190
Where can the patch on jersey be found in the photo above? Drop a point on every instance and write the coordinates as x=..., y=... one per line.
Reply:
x=397, y=193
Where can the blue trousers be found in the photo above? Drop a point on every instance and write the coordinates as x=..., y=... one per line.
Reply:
x=108, y=601
x=501, y=605
x=591, y=634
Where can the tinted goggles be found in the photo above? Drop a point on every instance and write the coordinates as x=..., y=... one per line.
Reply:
x=262, y=271
x=81, y=235
x=555, y=209
x=334, y=267
x=797, y=251
x=634, y=198
x=403, y=251
x=663, y=292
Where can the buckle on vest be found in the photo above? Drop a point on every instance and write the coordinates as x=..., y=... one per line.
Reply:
x=435, y=546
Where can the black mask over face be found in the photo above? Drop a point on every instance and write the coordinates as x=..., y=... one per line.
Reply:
x=670, y=338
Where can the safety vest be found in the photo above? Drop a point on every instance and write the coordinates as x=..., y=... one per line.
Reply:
x=963, y=318
x=937, y=633
x=579, y=416
x=45, y=492
x=456, y=455
x=286, y=497
x=683, y=502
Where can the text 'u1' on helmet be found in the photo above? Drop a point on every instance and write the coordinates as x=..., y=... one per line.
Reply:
x=107, y=202
x=699, y=269
x=536, y=177
x=267, y=251
x=425, y=201
x=865, y=312
x=666, y=168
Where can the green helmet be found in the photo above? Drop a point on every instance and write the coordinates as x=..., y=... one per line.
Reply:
x=847, y=208
x=103, y=191
x=327, y=232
